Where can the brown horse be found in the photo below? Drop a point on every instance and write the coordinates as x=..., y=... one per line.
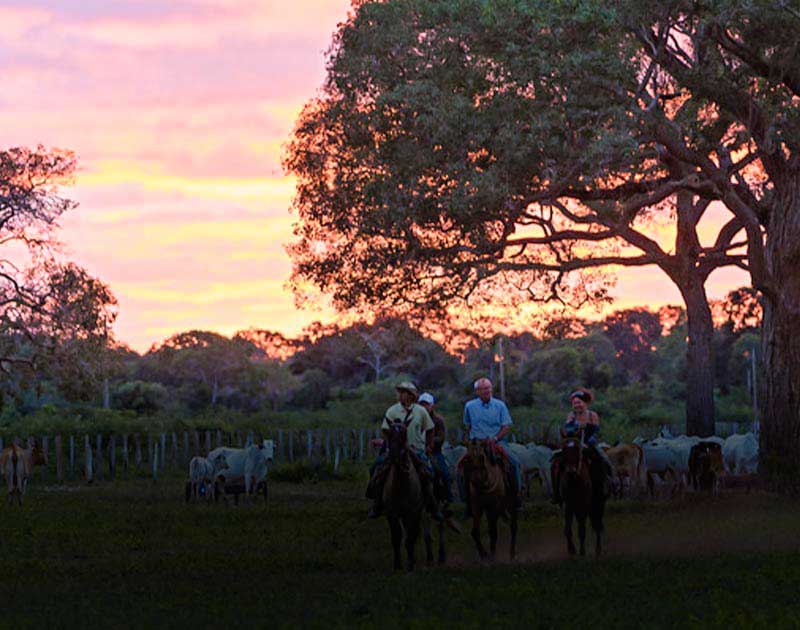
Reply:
x=583, y=494
x=402, y=496
x=488, y=491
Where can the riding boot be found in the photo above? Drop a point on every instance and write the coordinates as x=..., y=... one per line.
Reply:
x=375, y=492
x=377, y=508
x=556, y=477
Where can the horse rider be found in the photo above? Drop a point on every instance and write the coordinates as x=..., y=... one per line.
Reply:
x=487, y=418
x=427, y=400
x=419, y=431
x=581, y=418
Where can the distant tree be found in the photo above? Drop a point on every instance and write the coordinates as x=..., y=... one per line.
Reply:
x=141, y=397
x=743, y=309
x=565, y=328
x=634, y=333
x=201, y=357
x=274, y=345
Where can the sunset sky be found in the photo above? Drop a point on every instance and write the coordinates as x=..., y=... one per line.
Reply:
x=177, y=111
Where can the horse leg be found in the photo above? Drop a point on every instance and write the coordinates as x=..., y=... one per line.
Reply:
x=476, y=532
x=492, y=516
x=513, y=525
x=397, y=537
x=426, y=531
x=442, y=554
x=596, y=516
x=568, y=514
x=412, y=533
x=582, y=533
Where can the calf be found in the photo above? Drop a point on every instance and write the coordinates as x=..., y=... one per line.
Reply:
x=628, y=463
x=705, y=466
x=204, y=471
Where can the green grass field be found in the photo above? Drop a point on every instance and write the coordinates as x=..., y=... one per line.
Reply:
x=132, y=554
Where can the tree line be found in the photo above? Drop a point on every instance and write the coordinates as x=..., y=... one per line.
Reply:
x=634, y=359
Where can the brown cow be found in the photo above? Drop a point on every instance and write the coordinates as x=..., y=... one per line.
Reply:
x=705, y=466
x=628, y=463
x=17, y=465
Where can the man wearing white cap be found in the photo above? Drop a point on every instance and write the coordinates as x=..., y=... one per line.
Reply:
x=419, y=432
x=439, y=436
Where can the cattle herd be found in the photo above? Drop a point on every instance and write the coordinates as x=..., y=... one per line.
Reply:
x=664, y=466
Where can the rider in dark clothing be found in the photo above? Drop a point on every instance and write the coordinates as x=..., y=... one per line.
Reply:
x=582, y=419
x=439, y=437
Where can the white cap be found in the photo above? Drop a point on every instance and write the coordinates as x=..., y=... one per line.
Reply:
x=426, y=398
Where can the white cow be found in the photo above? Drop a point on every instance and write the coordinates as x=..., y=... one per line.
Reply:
x=740, y=454
x=452, y=454
x=204, y=471
x=535, y=460
x=246, y=466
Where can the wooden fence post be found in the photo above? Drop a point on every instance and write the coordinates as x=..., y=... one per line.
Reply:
x=72, y=457
x=112, y=456
x=174, y=451
x=89, y=472
x=328, y=445
x=155, y=462
x=137, y=452
x=196, y=439
x=46, y=450
x=99, y=457
x=59, y=462
x=125, y=453
x=208, y=442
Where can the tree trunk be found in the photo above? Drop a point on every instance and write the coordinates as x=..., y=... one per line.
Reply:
x=699, y=359
x=780, y=400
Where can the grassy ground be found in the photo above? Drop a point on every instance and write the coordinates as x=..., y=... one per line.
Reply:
x=131, y=554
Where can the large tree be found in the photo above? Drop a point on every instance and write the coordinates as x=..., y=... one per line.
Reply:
x=467, y=148
x=55, y=318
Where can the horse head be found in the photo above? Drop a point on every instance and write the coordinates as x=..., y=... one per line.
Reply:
x=398, y=441
x=572, y=450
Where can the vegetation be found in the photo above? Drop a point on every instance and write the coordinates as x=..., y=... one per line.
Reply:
x=344, y=377
x=133, y=554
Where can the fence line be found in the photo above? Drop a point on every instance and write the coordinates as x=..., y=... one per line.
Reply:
x=331, y=446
